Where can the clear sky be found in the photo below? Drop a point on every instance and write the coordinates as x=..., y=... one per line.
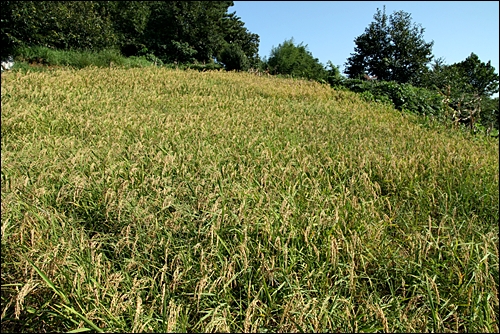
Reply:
x=330, y=27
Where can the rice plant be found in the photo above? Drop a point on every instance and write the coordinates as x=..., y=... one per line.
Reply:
x=159, y=200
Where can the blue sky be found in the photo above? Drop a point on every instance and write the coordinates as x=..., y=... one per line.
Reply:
x=330, y=27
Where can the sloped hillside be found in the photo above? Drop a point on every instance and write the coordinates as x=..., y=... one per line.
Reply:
x=159, y=200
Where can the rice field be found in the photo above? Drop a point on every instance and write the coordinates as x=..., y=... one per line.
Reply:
x=158, y=200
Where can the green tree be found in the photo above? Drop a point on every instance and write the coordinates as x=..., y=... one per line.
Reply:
x=234, y=33
x=6, y=29
x=490, y=115
x=392, y=49
x=233, y=58
x=295, y=60
x=58, y=24
x=335, y=78
x=479, y=82
x=185, y=31
x=174, y=31
x=445, y=79
x=372, y=51
x=479, y=76
x=129, y=20
x=466, y=86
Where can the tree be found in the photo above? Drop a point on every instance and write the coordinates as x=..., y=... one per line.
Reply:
x=490, y=115
x=471, y=76
x=480, y=77
x=6, y=27
x=173, y=31
x=297, y=61
x=372, y=50
x=58, y=24
x=391, y=48
x=445, y=79
x=234, y=33
x=479, y=82
x=233, y=58
x=334, y=76
x=129, y=20
x=467, y=88
x=185, y=31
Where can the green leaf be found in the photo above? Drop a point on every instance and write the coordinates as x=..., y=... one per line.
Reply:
x=49, y=282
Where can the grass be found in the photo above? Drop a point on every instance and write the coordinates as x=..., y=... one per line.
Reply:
x=162, y=200
x=39, y=58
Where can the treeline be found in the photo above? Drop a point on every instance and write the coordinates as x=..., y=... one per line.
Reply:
x=393, y=63
x=169, y=31
x=391, y=60
x=461, y=93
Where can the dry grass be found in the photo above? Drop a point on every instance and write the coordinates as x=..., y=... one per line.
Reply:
x=162, y=200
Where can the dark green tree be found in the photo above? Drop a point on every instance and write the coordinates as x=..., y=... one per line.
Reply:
x=466, y=86
x=372, y=51
x=174, y=31
x=479, y=76
x=471, y=76
x=58, y=24
x=445, y=79
x=392, y=49
x=234, y=34
x=129, y=20
x=479, y=82
x=295, y=60
x=185, y=31
x=6, y=29
x=490, y=113
x=233, y=58
x=335, y=78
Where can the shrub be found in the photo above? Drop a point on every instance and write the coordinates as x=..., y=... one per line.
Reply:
x=78, y=59
x=297, y=61
x=403, y=96
x=233, y=58
x=407, y=97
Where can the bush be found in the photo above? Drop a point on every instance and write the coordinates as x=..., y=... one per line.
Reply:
x=407, y=97
x=78, y=59
x=297, y=61
x=233, y=58
x=402, y=96
x=195, y=66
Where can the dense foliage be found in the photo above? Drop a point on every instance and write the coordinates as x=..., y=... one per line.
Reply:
x=391, y=48
x=295, y=60
x=234, y=58
x=426, y=101
x=467, y=88
x=173, y=31
x=393, y=51
x=406, y=97
x=239, y=42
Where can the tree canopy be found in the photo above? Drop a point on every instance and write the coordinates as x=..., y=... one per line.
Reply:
x=479, y=76
x=295, y=60
x=391, y=48
x=55, y=24
x=182, y=31
x=239, y=40
x=470, y=76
